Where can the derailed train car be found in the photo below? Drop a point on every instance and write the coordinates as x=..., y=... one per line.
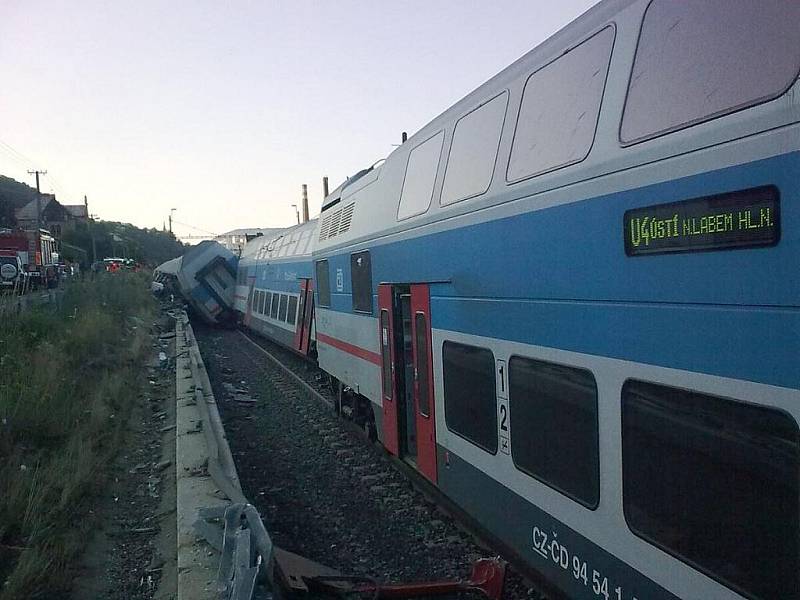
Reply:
x=206, y=278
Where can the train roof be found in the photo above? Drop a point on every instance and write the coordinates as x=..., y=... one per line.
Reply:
x=289, y=243
x=170, y=267
x=593, y=60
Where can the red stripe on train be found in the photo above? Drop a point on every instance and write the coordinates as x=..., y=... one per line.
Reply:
x=350, y=348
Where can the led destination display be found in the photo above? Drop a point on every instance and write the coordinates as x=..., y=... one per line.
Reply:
x=742, y=219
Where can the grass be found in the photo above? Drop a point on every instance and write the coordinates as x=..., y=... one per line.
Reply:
x=68, y=377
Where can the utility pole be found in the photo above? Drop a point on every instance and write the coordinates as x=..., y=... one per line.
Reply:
x=91, y=229
x=171, y=210
x=38, y=198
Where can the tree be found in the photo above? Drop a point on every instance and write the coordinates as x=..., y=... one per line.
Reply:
x=7, y=218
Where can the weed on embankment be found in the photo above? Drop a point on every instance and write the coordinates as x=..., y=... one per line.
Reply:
x=69, y=374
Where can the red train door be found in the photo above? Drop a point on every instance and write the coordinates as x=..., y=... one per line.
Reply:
x=305, y=314
x=388, y=385
x=423, y=380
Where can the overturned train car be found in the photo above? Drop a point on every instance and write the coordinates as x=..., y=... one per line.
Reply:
x=205, y=277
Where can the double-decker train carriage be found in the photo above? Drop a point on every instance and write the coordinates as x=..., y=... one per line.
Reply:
x=274, y=291
x=571, y=301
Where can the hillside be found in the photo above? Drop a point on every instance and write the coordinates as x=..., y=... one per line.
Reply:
x=13, y=194
x=148, y=246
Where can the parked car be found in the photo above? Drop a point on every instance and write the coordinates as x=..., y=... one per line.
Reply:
x=12, y=273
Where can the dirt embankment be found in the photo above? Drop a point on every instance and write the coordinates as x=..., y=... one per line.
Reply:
x=73, y=381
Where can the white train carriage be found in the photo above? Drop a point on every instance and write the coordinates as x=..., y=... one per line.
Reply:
x=571, y=301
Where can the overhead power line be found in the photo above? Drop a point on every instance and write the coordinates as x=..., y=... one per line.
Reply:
x=211, y=233
x=17, y=155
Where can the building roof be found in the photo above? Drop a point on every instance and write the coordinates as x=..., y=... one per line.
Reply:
x=28, y=212
x=77, y=210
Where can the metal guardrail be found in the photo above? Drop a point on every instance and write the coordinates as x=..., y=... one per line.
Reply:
x=246, y=548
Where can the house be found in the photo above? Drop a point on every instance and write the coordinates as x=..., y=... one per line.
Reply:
x=54, y=216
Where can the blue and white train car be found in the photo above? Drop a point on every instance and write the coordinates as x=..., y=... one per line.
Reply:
x=274, y=292
x=206, y=277
x=573, y=301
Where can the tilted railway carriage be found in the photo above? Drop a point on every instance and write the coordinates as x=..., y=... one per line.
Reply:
x=274, y=288
x=571, y=301
x=205, y=276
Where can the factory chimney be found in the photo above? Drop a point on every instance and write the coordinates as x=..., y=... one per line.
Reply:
x=324, y=187
x=305, y=203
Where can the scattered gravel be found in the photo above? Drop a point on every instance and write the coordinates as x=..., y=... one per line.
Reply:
x=323, y=490
x=127, y=557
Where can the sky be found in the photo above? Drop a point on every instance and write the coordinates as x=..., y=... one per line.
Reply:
x=222, y=110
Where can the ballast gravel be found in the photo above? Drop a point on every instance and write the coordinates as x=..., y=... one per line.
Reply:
x=322, y=489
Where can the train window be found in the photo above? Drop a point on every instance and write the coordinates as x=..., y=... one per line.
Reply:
x=715, y=482
x=473, y=151
x=699, y=60
x=560, y=108
x=470, y=408
x=263, y=302
x=361, y=281
x=267, y=303
x=553, y=418
x=282, y=309
x=423, y=163
x=291, y=315
x=421, y=366
x=274, y=308
x=220, y=277
x=323, y=283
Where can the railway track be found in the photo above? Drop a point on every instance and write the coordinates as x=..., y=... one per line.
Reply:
x=323, y=490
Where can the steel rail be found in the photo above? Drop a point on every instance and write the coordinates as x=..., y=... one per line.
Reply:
x=430, y=491
x=286, y=369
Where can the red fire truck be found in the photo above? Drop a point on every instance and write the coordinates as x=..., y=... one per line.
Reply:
x=36, y=250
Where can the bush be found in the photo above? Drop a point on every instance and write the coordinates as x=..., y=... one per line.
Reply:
x=66, y=388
